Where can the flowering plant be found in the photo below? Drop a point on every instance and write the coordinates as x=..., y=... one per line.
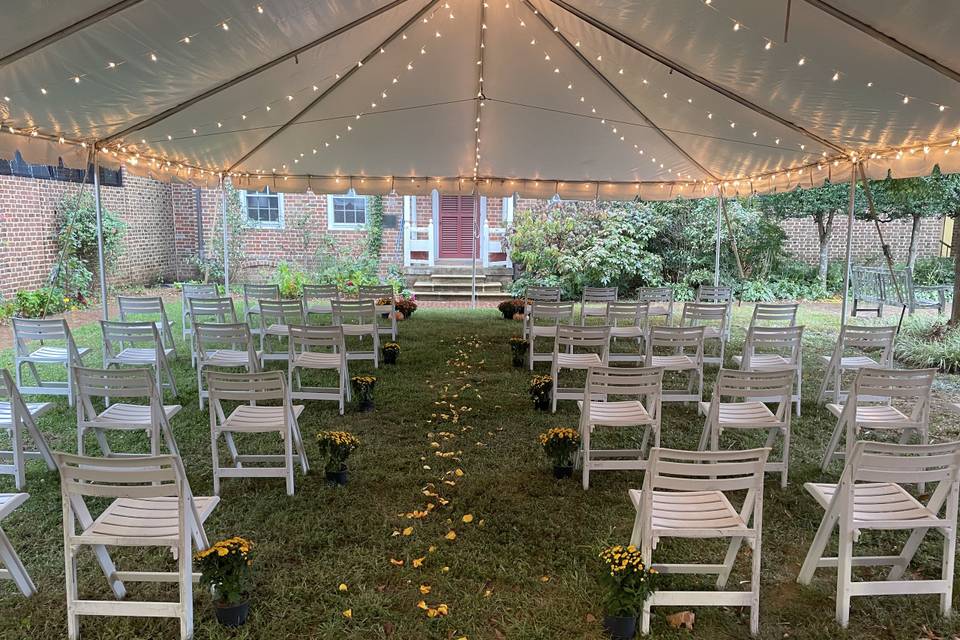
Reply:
x=560, y=444
x=629, y=583
x=406, y=306
x=391, y=347
x=510, y=308
x=336, y=447
x=225, y=567
x=540, y=387
x=363, y=386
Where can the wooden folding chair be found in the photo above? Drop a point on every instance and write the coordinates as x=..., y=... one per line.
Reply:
x=870, y=406
x=745, y=411
x=317, y=297
x=542, y=322
x=628, y=320
x=566, y=355
x=594, y=301
x=189, y=291
x=304, y=343
x=660, y=300
x=252, y=294
x=63, y=352
x=153, y=417
x=870, y=495
x=12, y=566
x=537, y=294
x=774, y=349
x=619, y=398
x=684, y=354
x=359, y=320
x=18, y=419
x=714, y=318
x=275, y=318
x=152, y=506
x=714, y=295
x=774, y=315
x=120, y=340
x=254, y=419
x=685, y=495
x=224, y=346
x=386, y=304
x=857, y=341
x=136, y=309
x=207, y=310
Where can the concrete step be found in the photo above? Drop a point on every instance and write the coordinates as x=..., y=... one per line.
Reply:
x=431, y=285
x=455, y=278
x=459, y=295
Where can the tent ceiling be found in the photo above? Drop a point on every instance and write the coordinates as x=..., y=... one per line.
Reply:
x=572, y=90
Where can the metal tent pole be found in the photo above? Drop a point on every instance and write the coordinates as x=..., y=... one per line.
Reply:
x=226, y=239
x=474, y=239
x=716, y=257
x=846, y=271
x=101, y=261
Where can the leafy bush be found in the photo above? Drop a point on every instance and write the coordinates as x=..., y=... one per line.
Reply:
x=77, y=241
x=347, y=267
x=212, y=263
x=290, y=279
x=926, y=341
x=41, y=302
x=933, y=271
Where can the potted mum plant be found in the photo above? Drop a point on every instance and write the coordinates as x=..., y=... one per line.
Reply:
x=391, y=351
x=405, y=308
x=336, y=447
x=560, y=445
x=511, y=308
x=363, y=389
x=540, y=387
x=225, y=568
x=518, y=350
x=629, y=584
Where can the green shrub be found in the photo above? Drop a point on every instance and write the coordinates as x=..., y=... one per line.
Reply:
x=926, y=341
x=347, y=267
x=77, y=240
x=933, y=271
x=290, y=279
x=41, y=302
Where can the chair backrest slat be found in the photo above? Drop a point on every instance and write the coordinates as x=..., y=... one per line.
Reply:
x=765, y=314
x=542, y=294
x=628, y=312
x=599, y=294
x=302, y=337
x=281, y=311
x=708, y=293
x=375, y=291
x=354, y=311
x=26, y=329
x=136, y=382
x=902, y=463
x=894, y=383
x=655, y=294
x=624, y=381
x=120, y=477
x=676, y=337
x=132, y=332
x=675, y=470
x=242, y=387
x=320, y=292
x=576, y=336
x=734, y=383
x=704, y=313
x=218, y=309
x=135, y=305
x=254, y=292
x=551, y=312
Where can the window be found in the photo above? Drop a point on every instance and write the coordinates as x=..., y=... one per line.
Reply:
x=347, y=211
x=264, y=209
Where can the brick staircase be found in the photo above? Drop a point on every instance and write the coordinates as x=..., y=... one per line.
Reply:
x=452, y=282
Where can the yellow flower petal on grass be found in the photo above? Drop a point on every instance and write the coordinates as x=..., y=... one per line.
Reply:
x=425, y=589
x=468, y=518
x=408, y=531
x=544, y=578
x=451, y=535
x=343, y=586
x=422, y=605
x=396, y=563
x=458, y=472
x=418, y=562
x=348, y=614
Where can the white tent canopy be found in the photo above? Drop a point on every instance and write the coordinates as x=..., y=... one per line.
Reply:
x=607, y=98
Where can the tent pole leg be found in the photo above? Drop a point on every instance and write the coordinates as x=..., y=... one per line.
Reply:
x=733, y=236
x=226, y=239
x=849, y=250
x=473, y=249
x=716, y=256
x=101, y=261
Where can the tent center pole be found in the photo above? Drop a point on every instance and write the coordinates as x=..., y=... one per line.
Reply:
x=849, y=250
x=716, y=256
x=226, y=238
x=101, y=260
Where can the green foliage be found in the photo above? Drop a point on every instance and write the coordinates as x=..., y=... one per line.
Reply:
x=336, y=447
x=933, y=270
x=928, y=341
x=375, y=227
x=348, y=267
x=560, y=444
x=628, y=582
x=290, y=279
x=77, y=241
x=225, y=567
x=396, y=279
x=915, y=197
x=212, y=263
x=41, y=302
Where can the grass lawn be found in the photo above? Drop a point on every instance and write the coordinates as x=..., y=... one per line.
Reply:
x=525, y=567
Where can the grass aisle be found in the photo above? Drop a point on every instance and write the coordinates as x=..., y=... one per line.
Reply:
x=523, y=561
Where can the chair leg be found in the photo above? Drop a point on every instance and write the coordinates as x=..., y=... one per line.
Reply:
x=907, y=553
x=585, y=456
x=73, y=620
x=647, y=553
x=784, y=475
x=288, y=459
x=820, y=541
x=833, y=444
x=704, y=434
x=200, y=385
x=216, y=460
x=949, y=559
x=799, y=390
x=732, y=550
x=755, y=588
x=10, y=559
x=553, y=390
x=16, y=437
x=844, y=567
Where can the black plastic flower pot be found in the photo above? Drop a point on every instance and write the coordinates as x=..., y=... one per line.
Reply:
x=562, y=471
x=234, y=615
x=542, y=405
x=620, y=627
x=338, y=478
x=366, y=405
x=519, y=360
x=390, y=357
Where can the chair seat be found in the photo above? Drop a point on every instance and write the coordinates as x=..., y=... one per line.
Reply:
x=359, y=329
x=658, y=310
x=885, y=504
x=319, y=308
x=712, y=332
x=133, y=414
x=36, y=410
x=135, y=355
x=767, y=362
x=878, y=414
x=578, y=360
x=142, y=522
x=743, y=413
x=52, y=354
x=542, y=332
x=691, y=511
x=277, y=329
x=622, y=413
x=673, y=363
x=314, y=360
x=853, y=362
x=228, y=358
x=626, y=332
x=10, y=501
x=257, y=419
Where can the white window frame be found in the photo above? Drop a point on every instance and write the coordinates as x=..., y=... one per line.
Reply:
x=254, y=224
x=345, y=226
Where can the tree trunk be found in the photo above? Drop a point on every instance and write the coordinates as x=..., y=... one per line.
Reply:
x=912, y=251
x=955, y=251
x=824, y=231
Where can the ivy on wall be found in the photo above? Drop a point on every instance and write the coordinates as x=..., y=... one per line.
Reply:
x=375, y=227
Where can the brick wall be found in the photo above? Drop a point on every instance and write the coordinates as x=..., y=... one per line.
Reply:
x=28, y=224
x=802, y=240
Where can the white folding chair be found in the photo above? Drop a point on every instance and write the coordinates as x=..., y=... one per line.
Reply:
x=63, y=352
x=120, y=347
x=153, y=417
x=275, y=318
x=714, y=318
x=685, y=495
x=152, y=506
x=386, y=304
x=714, y=295
x=205, y=310
x=224, y=346
x=304, y=343
x=628, y=320
x=774, y=315
x=136, y=309
x=18, y=419
x=12, y=566
x=744, y=411
x=628, y=398
x=684, y=354
x=567, y=354
x=542, y=322
x=857, y=341
x=870, y=406
x=359, y=320
x=252, y=294
x=594, y=301
x=189, y=291
x=537, y=294
x=871, y=495
x=660, y=300
x=317, y=297
x=254, y=419
x=774, y=349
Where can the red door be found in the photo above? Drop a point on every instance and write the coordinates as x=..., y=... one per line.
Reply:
x=456, y=227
